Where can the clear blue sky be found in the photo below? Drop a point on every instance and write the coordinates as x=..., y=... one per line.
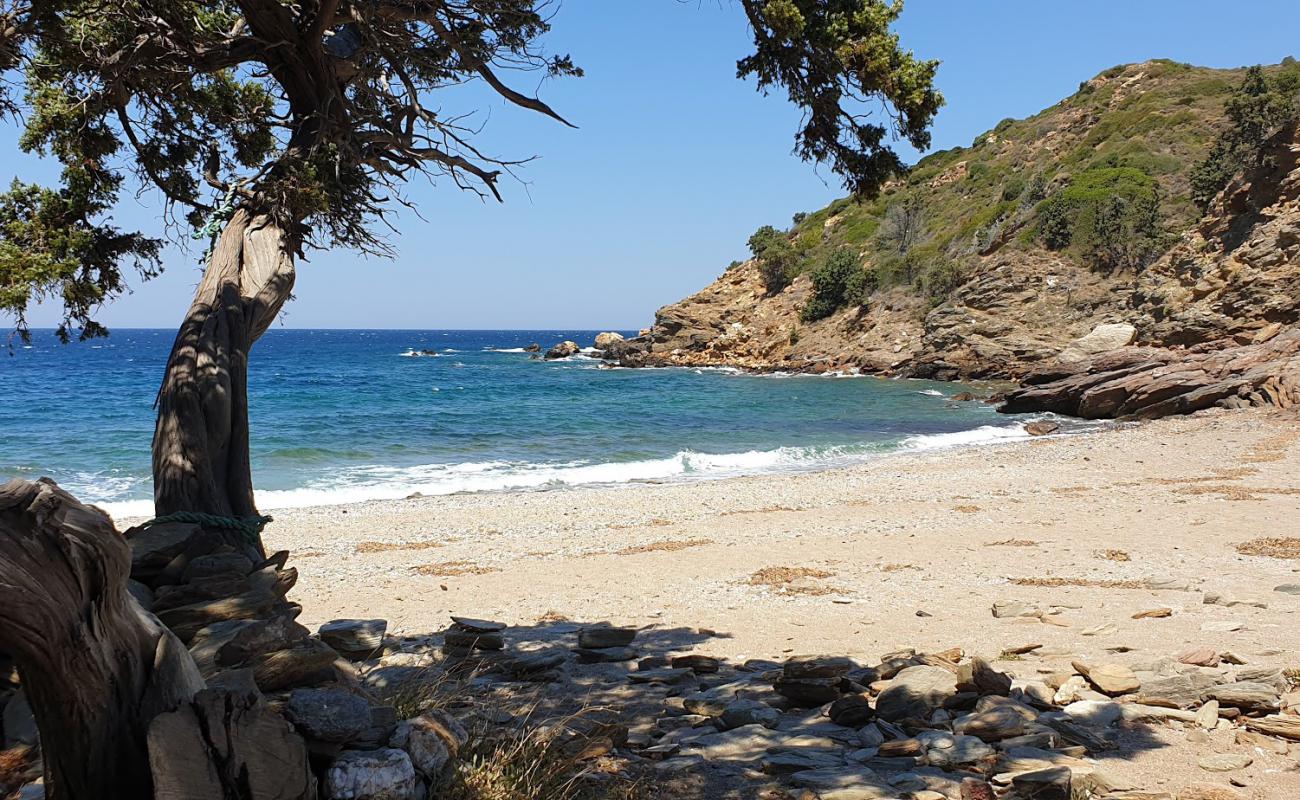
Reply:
x=676, y=162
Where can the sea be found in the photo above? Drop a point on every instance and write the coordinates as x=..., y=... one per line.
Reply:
x=340, y=416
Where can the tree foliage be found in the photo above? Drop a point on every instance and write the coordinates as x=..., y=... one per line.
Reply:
x=318, y=112
x=832, y=57
x=1111, y=215
x=777, y=259
x=838, y=281
x=1255, y=111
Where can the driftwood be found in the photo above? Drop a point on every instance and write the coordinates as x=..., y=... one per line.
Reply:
x=96, y=668
x=121, y=705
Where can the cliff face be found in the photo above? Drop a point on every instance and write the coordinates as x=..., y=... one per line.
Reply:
x=1220, y=307
x=1232, y=276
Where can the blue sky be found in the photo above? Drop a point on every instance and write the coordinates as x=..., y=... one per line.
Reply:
x=676, y=162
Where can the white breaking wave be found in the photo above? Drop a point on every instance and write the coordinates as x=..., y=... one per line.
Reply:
x=504, y=350
x=930, y=392
x=377, y=482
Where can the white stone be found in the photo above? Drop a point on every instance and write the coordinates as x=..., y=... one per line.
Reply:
x=1103, y=338
x=374, y=775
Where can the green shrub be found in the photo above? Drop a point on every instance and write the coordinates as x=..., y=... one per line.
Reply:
x=1255, y=110
x=800, y=216
x=1111, y=215
x=830, y=282
x=1013, y=187
x=776, y=256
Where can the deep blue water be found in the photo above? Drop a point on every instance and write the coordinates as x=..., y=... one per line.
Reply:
x=339, y=416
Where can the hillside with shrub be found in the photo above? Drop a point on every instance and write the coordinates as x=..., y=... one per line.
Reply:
x=984, y=260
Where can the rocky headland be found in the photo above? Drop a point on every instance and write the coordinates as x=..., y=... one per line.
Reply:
x=1208, y=312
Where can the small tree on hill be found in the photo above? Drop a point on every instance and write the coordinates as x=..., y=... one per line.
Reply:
x=1255, y=111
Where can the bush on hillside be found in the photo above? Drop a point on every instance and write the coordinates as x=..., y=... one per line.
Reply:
x=838, y=281
x=1255, y=111
x=1111, y=215
x=776, y=257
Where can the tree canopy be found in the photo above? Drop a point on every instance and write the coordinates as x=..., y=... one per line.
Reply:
x=318, y=112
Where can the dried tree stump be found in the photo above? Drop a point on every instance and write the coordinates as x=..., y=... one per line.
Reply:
x=97, y=668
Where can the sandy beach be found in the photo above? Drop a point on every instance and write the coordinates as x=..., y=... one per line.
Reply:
x=912, y=550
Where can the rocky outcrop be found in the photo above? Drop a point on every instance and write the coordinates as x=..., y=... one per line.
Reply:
x=604, y=340
x=1145, y=382
x=562, y=350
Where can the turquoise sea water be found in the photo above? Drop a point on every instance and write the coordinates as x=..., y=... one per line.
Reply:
x=339, y=416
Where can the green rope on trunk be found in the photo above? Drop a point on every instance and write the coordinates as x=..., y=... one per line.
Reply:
x=251, y=527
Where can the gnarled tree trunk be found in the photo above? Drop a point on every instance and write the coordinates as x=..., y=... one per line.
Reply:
x=97, y=669
x=200, y=444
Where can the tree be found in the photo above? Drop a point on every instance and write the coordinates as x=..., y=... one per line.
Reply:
x=904, y=224
x=1109, y=214
x=776, y=257
x=840, y=280
x=1255, y=111
x=282, y=127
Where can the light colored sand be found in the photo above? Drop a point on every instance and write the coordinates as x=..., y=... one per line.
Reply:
x=905, y=534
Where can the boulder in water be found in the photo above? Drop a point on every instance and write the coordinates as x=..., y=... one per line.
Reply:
x=562, y=350
x=604, y=340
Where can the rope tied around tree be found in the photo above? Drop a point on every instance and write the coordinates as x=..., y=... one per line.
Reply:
x=251, y=527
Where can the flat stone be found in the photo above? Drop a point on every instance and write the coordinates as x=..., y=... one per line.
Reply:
x=787, y=760
x=1247, y=696
x=1004, y=609
x=992, y=725
x=1052, y=783
x=916, y=692
x=602, y=636
x=386, y=774
x=700, y=664
x=1111, y=679
x=352, y=637
x=523, y=664
x=817, y=667
x=948, y=751
x=1207, y=716
x=605, y=655
x=852, y=711
x=330, y=715
x=1231, y=601
x=1098, y=714
x=1181, y=691
x=472, y=640
x=739, y=713
x=1200, y=657
x=1224, y=762
x=851, y=783
x=808, y=692
x=1222, y=626
x=478, y=625
x=1288, y=588
x=660, y=675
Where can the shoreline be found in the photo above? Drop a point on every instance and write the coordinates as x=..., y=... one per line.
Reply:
x=990, y=435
